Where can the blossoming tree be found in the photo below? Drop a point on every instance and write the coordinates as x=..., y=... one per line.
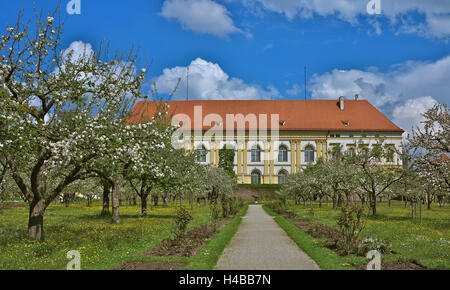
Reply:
x=64, y=110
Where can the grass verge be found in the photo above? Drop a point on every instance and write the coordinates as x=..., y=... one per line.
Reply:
x=426, y=242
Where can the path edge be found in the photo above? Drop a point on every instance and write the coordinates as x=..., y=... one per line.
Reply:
x=210, y=254
x=325, y=258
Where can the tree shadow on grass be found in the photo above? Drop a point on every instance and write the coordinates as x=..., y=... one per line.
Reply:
x=160, y=216
x=126, y=216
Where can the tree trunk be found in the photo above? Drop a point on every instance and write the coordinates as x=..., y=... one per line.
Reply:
x=155, y=200
x=334, y=202
x=106, y=192
x=373, y=203
x=164, y=201
x=116, y=200
x=144, y=205
x=36, y=220
x=339, y=202
x=420, y=210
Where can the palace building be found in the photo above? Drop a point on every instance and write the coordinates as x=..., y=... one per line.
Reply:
x=273, y=138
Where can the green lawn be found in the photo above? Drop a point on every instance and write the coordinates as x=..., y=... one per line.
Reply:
x=102, y=245
x=426, y=243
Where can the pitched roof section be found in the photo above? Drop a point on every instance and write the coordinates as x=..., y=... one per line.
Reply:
x=311, y=115
x=445, y=157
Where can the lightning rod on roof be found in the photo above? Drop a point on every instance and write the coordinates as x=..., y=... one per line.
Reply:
x=305, y=82
x=187, y=84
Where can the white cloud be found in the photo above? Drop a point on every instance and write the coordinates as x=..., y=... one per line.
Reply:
x=436, y=13
x=203, y=16
x=404, y=92
x=372, y=86
x=409, y=114
x=404, y=81
x=344, y=9
x=207, y=80
x=295, y=90
x=78, y=50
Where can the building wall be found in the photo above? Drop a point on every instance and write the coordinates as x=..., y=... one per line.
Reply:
x=295, y=142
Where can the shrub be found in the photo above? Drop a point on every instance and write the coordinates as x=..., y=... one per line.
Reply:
x=235, y=205
x=278, y=207
x=350, y=223
x=368, y=244
x=226, y=206
x=182, y=219
x=215, y=211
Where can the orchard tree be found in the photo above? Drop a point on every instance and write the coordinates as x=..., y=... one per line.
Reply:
x=219, y=186
x=160, y=165
x=8, y=189
x=226, y=161
x=340, y=174
x=427, y=148
x=300, y=185
x=373, y=177
x=189, y=177
x=138, y=152
x=63, y=108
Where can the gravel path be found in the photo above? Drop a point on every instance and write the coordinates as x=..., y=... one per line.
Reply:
x=260, y=244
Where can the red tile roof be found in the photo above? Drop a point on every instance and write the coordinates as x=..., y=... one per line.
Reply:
x=311, y=115
x=445, y=156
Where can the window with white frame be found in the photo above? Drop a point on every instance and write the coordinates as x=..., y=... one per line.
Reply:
x=256, y=177
x=351, y=152
x=282, y=154
x=201, y=154
x=282, y=177
x=390, y=155
x=309, y=154
x=256, y=154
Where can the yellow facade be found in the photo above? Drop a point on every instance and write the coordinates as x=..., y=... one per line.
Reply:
x=297, y=142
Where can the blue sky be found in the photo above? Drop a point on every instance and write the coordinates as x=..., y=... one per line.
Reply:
x=257, y=49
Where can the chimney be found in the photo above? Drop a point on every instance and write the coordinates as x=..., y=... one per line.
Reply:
x=356, y=97
x=341, y=103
